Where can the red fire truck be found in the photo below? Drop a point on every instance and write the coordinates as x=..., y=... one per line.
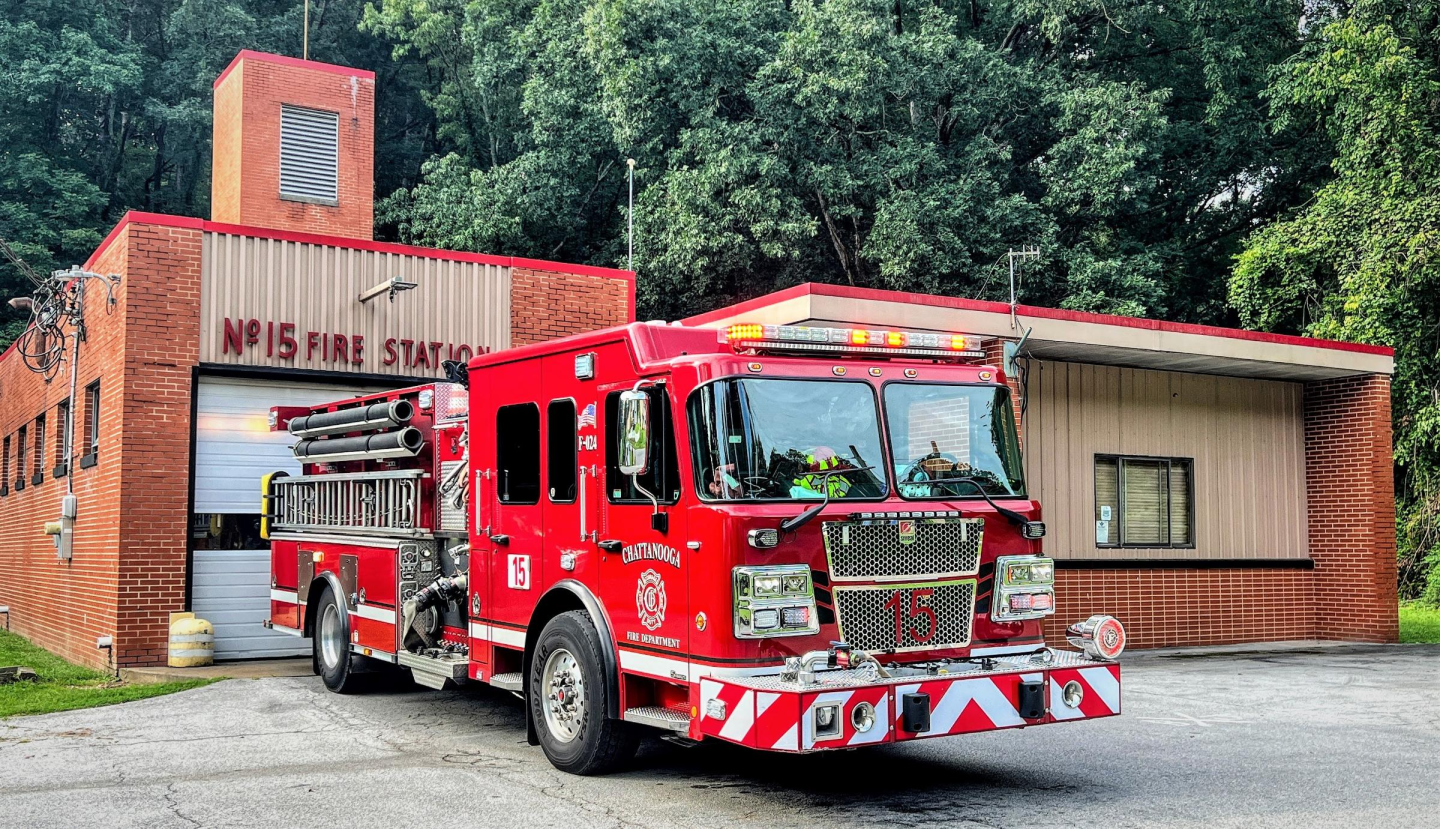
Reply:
x=793, y=538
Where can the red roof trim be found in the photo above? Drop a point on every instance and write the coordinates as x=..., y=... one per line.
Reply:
x=286, y=60
x=166, y=220
x=873, y=294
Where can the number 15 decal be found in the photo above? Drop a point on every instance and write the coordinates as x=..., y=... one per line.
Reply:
x=518, y=573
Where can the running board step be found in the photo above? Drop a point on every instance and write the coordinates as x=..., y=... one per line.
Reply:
x=657, y=717
x=508, y=682
x=434, y=671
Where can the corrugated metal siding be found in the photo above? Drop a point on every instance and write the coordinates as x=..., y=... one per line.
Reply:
x=231, y=590
x=315, y=287
x=1247, y=438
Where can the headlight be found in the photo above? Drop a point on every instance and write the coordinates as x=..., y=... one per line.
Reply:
x=767, y=585
x=774, y=600
x=1027, y=570
x=1025, y=588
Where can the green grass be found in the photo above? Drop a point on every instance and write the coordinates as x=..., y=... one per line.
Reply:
x=1419, y=624
x=64, y=686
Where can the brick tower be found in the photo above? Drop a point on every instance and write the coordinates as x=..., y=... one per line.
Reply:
x=294, y=146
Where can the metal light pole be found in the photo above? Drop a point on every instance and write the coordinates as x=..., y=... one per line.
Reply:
x=630, y=215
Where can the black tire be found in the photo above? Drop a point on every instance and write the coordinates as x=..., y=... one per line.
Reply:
x=595, y=744
x=335, y=665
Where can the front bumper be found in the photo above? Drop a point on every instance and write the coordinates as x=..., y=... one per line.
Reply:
x=768, y=712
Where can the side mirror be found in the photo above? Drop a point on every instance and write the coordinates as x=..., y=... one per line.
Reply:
x=634, y=432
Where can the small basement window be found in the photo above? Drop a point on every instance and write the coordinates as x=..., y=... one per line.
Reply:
x=1144, y=501
x=309, y=154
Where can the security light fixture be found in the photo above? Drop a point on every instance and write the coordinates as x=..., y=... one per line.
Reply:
x=22, y=303
x=391, y=286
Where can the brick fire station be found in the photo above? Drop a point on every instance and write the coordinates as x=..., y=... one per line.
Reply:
x=1204, y=485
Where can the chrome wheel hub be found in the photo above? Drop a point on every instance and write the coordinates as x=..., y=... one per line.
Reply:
x=563, y=690
x=332, y=636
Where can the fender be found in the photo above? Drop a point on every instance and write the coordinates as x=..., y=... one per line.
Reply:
x=328, y=577
x=597, y=613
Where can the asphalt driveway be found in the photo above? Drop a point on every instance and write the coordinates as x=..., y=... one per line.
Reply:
x=1323, y=736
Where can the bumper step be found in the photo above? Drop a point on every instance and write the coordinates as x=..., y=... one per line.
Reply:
x=657, y=717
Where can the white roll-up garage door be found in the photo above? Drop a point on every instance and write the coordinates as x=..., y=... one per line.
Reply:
x=234, y=447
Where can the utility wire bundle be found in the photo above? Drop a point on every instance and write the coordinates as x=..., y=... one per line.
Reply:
x=55, y=301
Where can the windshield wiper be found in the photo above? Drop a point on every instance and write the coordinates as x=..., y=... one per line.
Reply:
x=1015, y=518
x=790, y=525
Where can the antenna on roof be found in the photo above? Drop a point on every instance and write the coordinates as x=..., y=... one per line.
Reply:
x=1025, y=252
x=305, y=36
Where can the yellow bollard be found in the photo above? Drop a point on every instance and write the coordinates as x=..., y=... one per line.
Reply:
x=192, y=641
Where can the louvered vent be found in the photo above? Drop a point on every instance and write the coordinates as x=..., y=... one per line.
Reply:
x=309, y=154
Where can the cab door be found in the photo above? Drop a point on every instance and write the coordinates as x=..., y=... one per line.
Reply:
x=510, y=423
x=643, y=552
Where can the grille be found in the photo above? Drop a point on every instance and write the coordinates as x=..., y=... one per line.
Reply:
x=906, y=617
x=309, y=153
x=884, y=549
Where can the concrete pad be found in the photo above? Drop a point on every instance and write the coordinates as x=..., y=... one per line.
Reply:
x=1339, y=737
x=247, y=669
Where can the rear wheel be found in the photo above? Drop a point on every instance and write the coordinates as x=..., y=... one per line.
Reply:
x=567, y=698
x=332, y=656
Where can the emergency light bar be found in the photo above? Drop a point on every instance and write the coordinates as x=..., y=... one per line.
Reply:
x=756, y=338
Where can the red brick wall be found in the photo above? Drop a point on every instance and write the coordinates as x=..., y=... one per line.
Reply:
x=128, y=570
x=1164, y=608
x=1351, y=492
x=245, y=184
x=162, y=346
x=64, y=605
x=548, y=304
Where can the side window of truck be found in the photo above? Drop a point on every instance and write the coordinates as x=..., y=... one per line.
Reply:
x=560, y=449
x=663, y=476
x=517, y=453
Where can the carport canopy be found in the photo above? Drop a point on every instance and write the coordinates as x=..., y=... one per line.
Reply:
x=1072, y=336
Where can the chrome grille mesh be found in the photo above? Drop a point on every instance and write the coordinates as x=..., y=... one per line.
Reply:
x=927, y=616
x=881, y=549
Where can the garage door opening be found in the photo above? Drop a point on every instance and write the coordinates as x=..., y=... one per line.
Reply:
x=230, y=564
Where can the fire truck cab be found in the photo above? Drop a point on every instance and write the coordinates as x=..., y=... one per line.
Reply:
x=792, y=538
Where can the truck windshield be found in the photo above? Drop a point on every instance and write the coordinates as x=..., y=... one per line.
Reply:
x=760, y=439
x=941, y=433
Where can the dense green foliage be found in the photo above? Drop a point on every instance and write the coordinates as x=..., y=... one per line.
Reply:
x=892, y=144
x=1361, y=261
x=1271, y=162
x=105, y=107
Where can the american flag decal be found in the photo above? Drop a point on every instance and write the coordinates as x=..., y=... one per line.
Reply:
x=587, y=417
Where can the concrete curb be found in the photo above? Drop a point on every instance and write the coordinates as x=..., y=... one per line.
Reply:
x=250, y=669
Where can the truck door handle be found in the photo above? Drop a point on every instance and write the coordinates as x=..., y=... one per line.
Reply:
x=500, y=540
x=610, y=545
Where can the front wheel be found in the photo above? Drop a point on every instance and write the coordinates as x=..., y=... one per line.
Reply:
x=333, y=658
x=567, y=696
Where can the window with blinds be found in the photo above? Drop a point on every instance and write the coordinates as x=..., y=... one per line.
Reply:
x=1144, y=502
x=309, y=154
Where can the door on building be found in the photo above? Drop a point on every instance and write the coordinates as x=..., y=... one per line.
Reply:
x=230, y=565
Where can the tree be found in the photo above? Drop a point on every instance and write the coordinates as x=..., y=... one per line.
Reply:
x=1361, y=260
x=893, y=144
x=105, y=107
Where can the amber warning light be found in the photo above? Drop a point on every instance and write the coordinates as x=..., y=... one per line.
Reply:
x=754, y=337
